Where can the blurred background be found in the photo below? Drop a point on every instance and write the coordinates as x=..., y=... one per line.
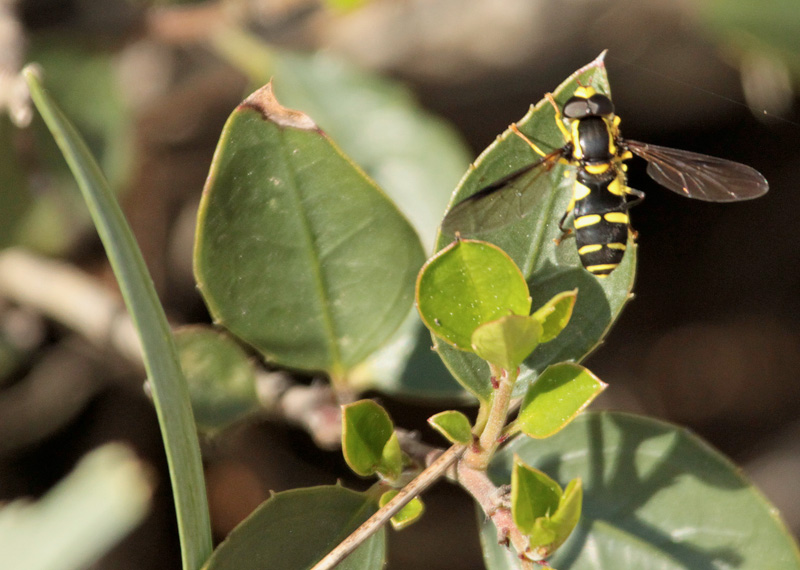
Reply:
x=711, y=341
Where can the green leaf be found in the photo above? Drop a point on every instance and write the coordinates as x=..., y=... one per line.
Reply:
x=293, y=530
x=556, y=398
x=465, y=285
x=549, y=268
x=408, y=514
x=453, y=425
x=551, y=531
x=655, y=496
x=105, y=497
x=297, y=252
x=507, y=341
x=555, y=314
x=416, y=157
x=169, y=388
x=533, y=495
x=391, y=463
x=566, y=517
x=221, y=376
x=366, y=429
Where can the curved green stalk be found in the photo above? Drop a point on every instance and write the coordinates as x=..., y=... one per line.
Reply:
x=169, y=388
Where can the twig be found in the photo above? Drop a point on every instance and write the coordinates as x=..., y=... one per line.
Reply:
x=493, y=503
x=409, y=492
x=71, y=297
x=81, y=303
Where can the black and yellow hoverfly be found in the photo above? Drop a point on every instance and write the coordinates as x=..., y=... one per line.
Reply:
x=600, y=196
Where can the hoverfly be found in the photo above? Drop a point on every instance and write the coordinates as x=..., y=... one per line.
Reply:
x=600, y=196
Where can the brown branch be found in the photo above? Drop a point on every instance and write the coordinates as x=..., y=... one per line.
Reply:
x=431, y=474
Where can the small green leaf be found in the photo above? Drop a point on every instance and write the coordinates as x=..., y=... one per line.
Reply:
x=294, y=529
x=467, y=284
x=297, y=251
x=221, y=376
x=366, y=429
x=556, y=397
x=551, y=531
x=555, y=314
x=453, y=425
x=533, y=495
x=408, y=514
x=391, y=463
x=566, y=517
x=507, y=341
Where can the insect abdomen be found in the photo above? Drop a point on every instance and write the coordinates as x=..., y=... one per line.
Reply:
x=601, y=222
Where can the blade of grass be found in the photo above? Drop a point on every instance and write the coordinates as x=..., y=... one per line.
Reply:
x=169, y=388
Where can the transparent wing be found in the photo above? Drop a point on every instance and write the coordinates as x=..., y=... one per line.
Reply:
x=502, y=202
x=700, y=176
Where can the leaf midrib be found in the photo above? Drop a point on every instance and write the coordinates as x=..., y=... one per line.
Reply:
x=313, y=254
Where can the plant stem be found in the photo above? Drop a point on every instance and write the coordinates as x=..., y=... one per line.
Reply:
x=496, y=420
x=493, y=503
x=422, y=481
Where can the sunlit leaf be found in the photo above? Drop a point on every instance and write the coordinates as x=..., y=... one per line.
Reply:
x=465, y=285
x=453, y=425
x=507, y=341
x=556, y=398
x=408, y=514
x=366, y=429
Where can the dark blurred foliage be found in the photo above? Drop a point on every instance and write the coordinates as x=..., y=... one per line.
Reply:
x=711, y=340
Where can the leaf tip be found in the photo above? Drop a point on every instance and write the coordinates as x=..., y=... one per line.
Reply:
x=33, y=71
x=263, y=100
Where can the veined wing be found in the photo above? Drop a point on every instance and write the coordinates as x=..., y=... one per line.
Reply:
x=700, y=176
x=501, y=202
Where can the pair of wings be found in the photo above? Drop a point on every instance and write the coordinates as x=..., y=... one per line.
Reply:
x=686, y=173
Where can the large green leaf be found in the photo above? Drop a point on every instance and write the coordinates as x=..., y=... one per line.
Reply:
x=549, y=268
x=655, y=497
x=169, y=388
x=293, y=530
x=104, y=498
x=298, y=252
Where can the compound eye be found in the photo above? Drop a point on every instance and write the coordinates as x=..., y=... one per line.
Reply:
x=600, y=105
x=576, y=108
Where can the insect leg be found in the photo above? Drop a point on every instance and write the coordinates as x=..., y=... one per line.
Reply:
x=638, y=196
x=559, y=117
x=536, y=149
x=565, y=232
